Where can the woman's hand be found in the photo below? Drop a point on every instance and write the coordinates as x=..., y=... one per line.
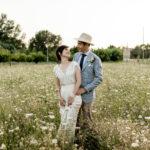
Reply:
x=62, y=102
x=70, y=100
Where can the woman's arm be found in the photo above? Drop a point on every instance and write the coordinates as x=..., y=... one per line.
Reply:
x=58, y=87
x=77, y=85
x=62, y=101
x=78, y=80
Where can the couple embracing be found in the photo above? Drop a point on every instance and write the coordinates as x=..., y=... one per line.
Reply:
x=75, y=83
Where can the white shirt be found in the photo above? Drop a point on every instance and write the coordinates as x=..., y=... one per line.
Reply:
x=87, y=53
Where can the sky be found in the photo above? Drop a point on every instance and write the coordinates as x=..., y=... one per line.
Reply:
x=109, y=22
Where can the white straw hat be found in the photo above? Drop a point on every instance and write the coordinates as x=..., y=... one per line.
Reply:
x=84, y=37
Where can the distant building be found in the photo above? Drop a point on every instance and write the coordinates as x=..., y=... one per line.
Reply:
x=126, y=53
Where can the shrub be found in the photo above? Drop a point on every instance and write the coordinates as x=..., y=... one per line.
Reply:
x=38, y=57
x=29, y=58
x=4, y=55
x=22, y=57
x=110, y=54
x=15, y=56
x=52, y=56
x=19, y=57
x=71, y=58
x=138, y=51
x=73, y=50
x=117, y=54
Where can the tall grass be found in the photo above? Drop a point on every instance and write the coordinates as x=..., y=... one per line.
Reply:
x=29, y=112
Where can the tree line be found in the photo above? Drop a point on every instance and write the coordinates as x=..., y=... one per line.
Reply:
x=43, y=45
x=141, y=51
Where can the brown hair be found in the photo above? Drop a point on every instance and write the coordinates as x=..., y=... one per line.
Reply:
x=60, y=51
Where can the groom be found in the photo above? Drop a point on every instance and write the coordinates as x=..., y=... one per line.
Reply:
x=91, y=73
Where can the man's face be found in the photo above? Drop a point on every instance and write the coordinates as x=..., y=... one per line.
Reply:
x=81, y=47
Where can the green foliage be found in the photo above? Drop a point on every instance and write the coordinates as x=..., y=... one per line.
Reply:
x=10, y=34
x=73, y=50
x=105, y=55
x=38, y=57
x=23, y=57
x=29, y=58
x=117, y=54
x=43, y=40
x=141, y=51
x=52, y=56
x=32, y=57
x=109, y=54
x=71, y=58
x=19, y=57
x=15, y=56
x=4, y=55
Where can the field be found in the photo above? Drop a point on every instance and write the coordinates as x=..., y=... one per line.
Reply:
x=29, y=113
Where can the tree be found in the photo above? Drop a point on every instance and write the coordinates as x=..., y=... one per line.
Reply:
x=10, y=34
x=142, y=51
x=44, y=40
x=73, y=50
x=111, y=47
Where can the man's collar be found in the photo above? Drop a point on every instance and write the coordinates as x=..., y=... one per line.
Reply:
x=87, y=53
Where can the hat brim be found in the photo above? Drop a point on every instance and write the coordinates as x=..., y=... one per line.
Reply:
x=78, y=39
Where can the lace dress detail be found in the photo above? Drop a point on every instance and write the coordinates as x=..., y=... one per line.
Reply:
x=68, y=113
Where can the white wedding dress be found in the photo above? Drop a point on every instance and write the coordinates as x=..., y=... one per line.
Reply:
x=68, y=113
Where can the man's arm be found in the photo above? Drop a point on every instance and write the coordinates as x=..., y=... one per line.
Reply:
x=98, y=76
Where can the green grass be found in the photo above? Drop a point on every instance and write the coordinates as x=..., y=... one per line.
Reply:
x=28, y=103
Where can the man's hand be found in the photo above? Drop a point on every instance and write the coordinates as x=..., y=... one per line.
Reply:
x=81, y=91
x=62, y=102
x=70, y=100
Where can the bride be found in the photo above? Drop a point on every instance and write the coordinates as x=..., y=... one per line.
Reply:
x=68, y=80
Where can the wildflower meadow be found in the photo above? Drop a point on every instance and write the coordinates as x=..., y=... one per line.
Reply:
x=29, y=112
